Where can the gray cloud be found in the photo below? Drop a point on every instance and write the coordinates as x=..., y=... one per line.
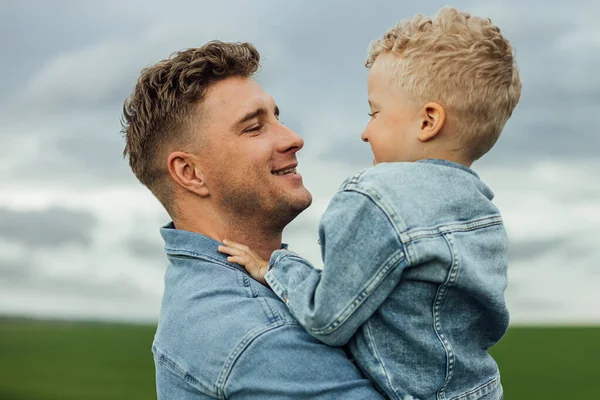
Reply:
x=552, y=120
x=532, y=249
x=33, y=32
x=146, y=249
x=14, y=271
x=349, y=151
x=64, y=286
x=555, y=116
x=574, y=253
x=88, y=156
x=51, y=227
x=67, y=66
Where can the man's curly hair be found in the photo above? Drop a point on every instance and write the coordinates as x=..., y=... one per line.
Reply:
x=159, y=114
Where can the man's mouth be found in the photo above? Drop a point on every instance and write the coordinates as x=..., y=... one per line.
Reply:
x=289, y=171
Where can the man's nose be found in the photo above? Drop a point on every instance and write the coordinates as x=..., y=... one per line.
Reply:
x=291, y=141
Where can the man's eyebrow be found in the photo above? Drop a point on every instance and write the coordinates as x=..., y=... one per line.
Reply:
x=259, y=112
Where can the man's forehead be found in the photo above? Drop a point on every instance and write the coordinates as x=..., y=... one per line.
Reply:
x=234, y=97
x=255, y=102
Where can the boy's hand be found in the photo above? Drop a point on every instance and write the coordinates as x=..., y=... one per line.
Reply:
x=243, y=255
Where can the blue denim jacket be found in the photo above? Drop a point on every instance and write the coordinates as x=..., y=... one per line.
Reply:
x=222, y=335
x=414, y=276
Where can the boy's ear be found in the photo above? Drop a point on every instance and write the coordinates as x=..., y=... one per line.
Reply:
x=432, y=118
x=186, y=171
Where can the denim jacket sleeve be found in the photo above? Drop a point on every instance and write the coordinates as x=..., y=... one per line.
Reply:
x=363, y=260
x=286, y=363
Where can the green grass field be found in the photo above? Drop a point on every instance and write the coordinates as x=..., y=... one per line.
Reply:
x=80, y=361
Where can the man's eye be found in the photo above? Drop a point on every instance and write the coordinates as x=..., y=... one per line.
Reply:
x=254, y=128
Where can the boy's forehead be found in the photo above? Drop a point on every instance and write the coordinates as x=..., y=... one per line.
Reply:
x=378, y=79
x=384, y=61
x=380, y=69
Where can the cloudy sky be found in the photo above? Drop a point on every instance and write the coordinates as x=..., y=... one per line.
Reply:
x=79, y=235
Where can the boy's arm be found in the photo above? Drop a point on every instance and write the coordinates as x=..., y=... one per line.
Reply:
x=363, y=261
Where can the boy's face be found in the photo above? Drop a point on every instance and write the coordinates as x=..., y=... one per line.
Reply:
x=393, y=129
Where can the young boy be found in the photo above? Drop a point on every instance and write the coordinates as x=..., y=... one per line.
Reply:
x=414, y=251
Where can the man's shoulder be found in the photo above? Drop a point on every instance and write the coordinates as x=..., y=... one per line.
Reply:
x=223, y=335
x=210, y=312
x=211, y=298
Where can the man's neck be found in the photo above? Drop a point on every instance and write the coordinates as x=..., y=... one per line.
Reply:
x=263, y=240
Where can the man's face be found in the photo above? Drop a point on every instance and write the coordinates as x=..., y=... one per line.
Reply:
x=249, y=157
x=392, y=131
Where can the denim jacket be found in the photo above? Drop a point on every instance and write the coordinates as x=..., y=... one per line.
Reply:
x=222, y=335
x=414, y=276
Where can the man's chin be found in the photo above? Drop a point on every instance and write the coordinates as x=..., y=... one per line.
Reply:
x=304, y=198
x=295, y=205
x=304, y=203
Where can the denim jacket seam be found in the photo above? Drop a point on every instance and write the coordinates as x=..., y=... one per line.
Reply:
x=379, y=202
x=289, y=254
x=438, y=300
x=238, y=350
x=387, y=267
x=248, y=283
x=388, y=211
x=193, y=255
x=277, y=287
x=482, y=390
x=352, y=181
x=378, y=357
x=170, y=364
x=274, y=316
x=441, y=229
x=406, y=234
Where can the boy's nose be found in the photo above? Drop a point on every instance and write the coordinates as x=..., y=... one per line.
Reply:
x=364, y=136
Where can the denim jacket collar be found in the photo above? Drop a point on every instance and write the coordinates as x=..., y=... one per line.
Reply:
x=483, y=188
x=191, y=244
x=449, y=164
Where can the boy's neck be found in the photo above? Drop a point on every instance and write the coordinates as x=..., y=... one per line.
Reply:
x=449, y=156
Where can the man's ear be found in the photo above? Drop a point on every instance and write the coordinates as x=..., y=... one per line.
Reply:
x=432, y=118
x=186, y=171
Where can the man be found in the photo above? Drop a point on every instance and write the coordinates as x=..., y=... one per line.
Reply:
x=207, y=141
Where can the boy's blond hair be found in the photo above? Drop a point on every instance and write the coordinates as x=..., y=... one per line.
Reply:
x=463, y=63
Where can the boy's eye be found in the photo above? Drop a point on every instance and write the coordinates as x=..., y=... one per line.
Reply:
x=372, y=114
